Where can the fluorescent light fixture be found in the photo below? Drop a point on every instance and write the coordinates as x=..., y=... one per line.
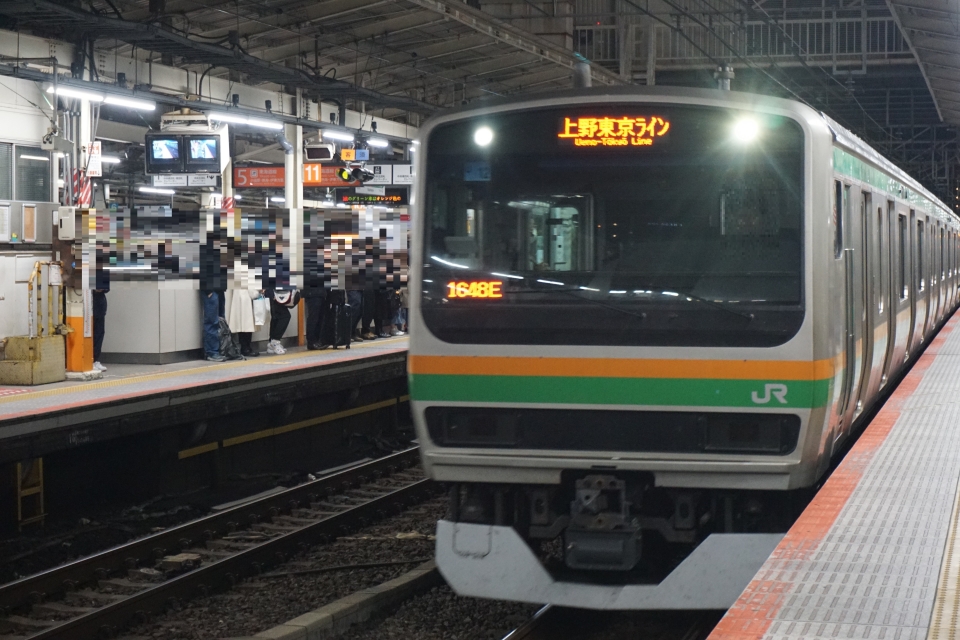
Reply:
x=673, y=294
x=337, y=135
x=589, y=289
x=551, y=282
x=378, y=142
x=483, y=136
x=746, y=130
x=110, y=160
x=506, y=275
x=77, y=93
x=619, y=291
x=448, y=263
x=277, y=199
x=162, y=192
x=241, y=119
x=24, y=156
x=131, y=103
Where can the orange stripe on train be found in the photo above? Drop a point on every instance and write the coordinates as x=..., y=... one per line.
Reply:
x=622, y=368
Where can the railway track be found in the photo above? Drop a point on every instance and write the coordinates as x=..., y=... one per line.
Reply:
x=101, y=594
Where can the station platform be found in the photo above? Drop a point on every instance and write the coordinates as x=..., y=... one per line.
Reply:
x=131, y=399
x=876, y=553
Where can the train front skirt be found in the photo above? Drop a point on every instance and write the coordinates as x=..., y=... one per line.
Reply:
x=489, y=561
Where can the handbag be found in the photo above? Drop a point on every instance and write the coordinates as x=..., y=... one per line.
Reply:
x=288, y=299
x=261, y=307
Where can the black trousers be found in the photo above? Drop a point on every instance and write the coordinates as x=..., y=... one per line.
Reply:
x=99, y=315
x=373, y=301
x=315, y=306
x=279, y=319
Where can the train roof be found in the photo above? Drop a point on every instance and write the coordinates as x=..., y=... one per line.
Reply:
x=848, y=140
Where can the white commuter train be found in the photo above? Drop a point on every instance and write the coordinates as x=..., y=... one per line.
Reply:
x=649, y=318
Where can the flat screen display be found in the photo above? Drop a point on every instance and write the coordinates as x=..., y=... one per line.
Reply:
x=164, y=154
x=203, y=149
x=203, y=154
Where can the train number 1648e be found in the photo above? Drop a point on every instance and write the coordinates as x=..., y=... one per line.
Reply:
x=483, y=289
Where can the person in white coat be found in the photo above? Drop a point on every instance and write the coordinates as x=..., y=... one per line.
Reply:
x=239, y=308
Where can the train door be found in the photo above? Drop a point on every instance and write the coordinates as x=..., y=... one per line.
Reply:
x=922, y=285
x=913, y=280
x=900, y=310
x=853, y=309
x=867, y=303
x=897, y=234
x=941, y=271
x=879, y=276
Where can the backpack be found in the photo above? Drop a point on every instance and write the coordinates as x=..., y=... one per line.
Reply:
x=228, y=348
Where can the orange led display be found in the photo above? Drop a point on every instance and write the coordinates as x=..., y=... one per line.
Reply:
x=613, y=132
x=483, y=289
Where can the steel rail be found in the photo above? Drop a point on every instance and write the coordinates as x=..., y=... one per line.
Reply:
x=37, y=588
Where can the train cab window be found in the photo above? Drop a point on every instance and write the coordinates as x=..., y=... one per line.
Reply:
x=838, y=197
x=615, y=224
x=921, y=275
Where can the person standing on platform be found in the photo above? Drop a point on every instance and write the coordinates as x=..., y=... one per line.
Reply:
x=280, y=304
x=213, y=283
x=315, y=299
x=99, y=317
x=240, y=319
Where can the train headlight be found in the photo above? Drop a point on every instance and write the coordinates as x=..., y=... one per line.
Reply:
x=483, y=136
x=745, y=130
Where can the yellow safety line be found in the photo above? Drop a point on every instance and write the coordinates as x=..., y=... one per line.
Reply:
x=189, y=453
x=946, y=604
x=106, y=384
x=303, y=424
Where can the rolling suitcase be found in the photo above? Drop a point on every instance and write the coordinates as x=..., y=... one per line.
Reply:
x=337, y=319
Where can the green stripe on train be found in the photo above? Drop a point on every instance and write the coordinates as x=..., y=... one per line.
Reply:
x=622, y=391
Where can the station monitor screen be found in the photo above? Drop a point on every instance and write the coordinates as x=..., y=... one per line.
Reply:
x=203, y=154
x=163, y=154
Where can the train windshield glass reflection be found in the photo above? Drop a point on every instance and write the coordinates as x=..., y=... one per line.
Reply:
x=695, y=239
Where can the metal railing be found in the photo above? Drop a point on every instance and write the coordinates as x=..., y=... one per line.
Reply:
x=817, y=41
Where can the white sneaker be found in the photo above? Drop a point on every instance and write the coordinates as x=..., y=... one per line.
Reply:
x=99, y=367
x=274, y=347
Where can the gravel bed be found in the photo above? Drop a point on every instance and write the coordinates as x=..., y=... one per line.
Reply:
x=440, y=614
x=260, y=602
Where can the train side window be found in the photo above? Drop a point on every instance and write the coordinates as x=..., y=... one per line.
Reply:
x=943, y=261
x=902, y=280
x=920, y=273
x=838, y=193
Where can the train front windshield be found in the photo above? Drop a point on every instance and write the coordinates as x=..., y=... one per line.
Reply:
x=629, y=224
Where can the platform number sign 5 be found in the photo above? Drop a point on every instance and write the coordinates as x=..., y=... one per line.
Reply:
x=770, y=391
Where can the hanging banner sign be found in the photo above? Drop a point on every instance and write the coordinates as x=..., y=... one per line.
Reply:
x=262, y=177
x=403, y=174
x=95, y=160
x=323, y=175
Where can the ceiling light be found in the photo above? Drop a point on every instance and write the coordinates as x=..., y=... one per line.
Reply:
x=142, y=105
x=110, y=160
x=378, y=142
x=278, y=199
x=163, y=192
x=337, y=135
x=38, y=158
x=77, y=93
x=745, y=130
x=483, y=136
x=241, y=119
